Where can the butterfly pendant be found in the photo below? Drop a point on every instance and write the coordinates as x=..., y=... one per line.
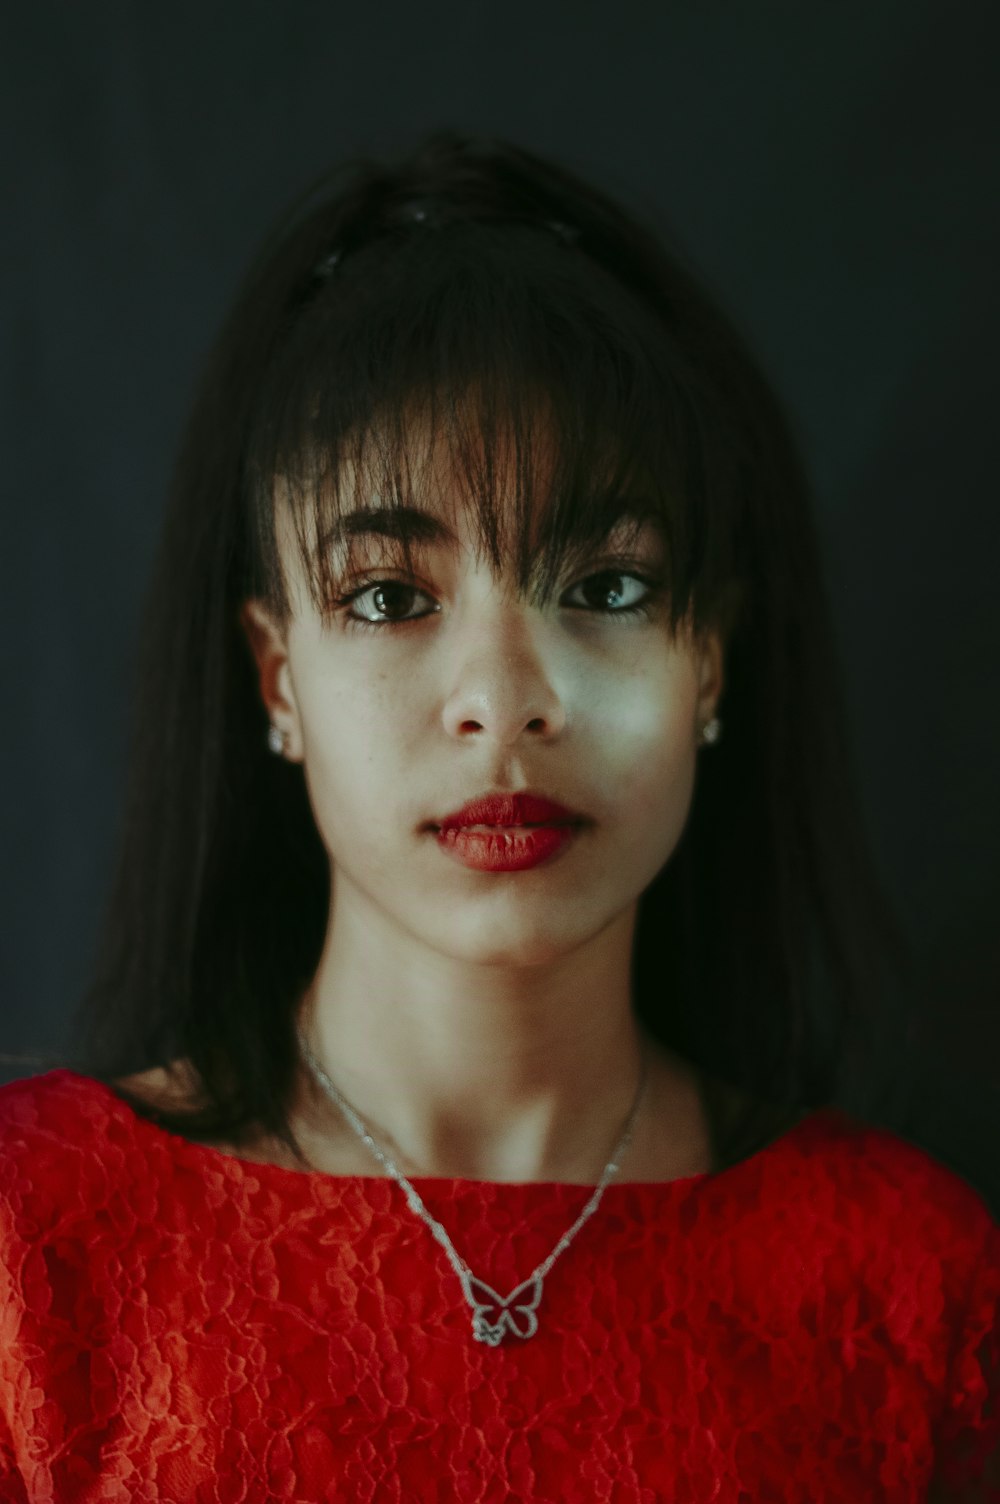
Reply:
x=492, y=1315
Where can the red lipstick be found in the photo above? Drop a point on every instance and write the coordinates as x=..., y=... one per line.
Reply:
x=508, y=832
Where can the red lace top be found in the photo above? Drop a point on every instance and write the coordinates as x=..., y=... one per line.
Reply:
x=816, y=1323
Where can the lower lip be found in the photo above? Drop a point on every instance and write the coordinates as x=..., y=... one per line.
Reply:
x=509, y=848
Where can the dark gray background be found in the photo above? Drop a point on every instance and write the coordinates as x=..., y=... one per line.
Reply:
x=831, y=169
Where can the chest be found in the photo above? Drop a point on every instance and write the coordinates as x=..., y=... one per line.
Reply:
x=675, y=1356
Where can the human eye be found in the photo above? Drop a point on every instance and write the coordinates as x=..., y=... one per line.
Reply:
x=386, y=596
x=610, y=592
x=611, y=582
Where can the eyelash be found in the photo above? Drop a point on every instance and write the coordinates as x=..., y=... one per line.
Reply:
x=643, y=608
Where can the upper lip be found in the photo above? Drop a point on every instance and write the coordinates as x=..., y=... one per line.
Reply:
x=524, y=808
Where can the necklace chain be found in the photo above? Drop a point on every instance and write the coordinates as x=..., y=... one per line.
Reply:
x=492, y=1315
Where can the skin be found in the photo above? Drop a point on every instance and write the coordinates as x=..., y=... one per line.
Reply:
x=481, y=1022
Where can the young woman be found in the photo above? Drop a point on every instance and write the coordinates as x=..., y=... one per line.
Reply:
x=492, y=929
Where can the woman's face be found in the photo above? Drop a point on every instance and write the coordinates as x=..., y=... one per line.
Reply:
x=426, y=691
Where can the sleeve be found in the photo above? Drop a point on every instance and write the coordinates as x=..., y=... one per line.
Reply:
x=967, y=1450
x=12, y=1485
x=13, y=1489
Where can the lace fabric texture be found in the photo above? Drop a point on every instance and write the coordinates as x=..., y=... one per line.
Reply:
x=816, y=1323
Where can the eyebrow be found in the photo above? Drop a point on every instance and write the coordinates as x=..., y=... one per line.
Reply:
x=403, y=523
x=414, y=525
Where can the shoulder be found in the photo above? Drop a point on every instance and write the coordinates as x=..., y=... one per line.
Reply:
x=832, y=1175
x=853, y=1152
x=909, y=1251
x=41, y=1112
x=47, y=1125
x=841, y=1156
x=68, y=1145
x=891, y=1206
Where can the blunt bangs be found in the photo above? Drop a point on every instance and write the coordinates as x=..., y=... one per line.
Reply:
x=563, y=408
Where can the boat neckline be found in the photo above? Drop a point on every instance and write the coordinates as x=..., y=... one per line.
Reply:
x=286, y=1174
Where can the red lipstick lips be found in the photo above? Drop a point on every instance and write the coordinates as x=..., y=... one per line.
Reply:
x=508, y=832
x=510, y=809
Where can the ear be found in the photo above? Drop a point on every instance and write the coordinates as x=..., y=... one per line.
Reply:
x=711, y=673
x=269, y=646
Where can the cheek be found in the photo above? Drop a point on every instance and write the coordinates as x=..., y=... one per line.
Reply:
x=653, y=757
x=348, y=746
x=665, y=783
x=367, y=762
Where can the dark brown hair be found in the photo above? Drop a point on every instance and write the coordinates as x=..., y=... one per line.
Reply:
x=510, y=305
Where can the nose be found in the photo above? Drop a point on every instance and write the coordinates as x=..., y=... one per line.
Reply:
x=502, y=678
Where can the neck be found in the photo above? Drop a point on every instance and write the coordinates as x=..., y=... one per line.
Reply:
x=364, y=1134
x=473, y=1071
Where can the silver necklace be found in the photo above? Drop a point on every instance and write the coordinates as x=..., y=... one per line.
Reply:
x=493, y=1315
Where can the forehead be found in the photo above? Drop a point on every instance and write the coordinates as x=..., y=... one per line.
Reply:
x=438, y=472
x=454, y=471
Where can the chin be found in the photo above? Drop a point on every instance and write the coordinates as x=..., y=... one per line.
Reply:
x=491, y=942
